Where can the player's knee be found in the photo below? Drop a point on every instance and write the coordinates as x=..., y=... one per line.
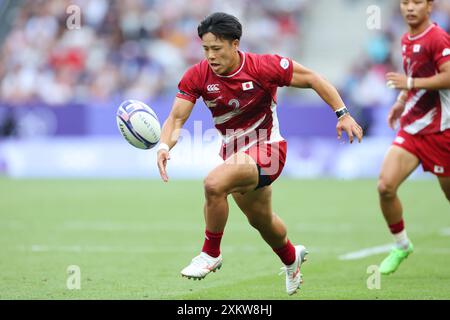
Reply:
x=386, y=189
x=213, y=186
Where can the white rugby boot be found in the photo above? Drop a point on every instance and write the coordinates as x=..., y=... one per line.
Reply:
x=293, y=275
x=201, y=265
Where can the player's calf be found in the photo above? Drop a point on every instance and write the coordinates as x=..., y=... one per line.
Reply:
x=445, y=185
x=447, y=194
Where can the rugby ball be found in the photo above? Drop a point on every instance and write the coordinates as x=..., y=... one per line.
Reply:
x=138, y=124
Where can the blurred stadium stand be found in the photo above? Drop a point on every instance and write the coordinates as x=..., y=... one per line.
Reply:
x=58, y=85
x=8, y=11
x=129, y=48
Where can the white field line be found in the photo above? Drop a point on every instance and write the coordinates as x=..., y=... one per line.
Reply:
x=367, y=252
x=445, y=232
x=363, y=253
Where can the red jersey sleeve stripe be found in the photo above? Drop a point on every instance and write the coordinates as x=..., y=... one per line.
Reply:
x=186, y=96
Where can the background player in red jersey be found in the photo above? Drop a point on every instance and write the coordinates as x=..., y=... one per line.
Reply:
x=240, y=91
x=423, y=108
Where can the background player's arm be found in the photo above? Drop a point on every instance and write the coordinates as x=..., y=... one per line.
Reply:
x=397, y=109
x=440, y=81
x=170, y=132
x=305, y=78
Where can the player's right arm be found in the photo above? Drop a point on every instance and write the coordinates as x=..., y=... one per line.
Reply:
x=170, y=132
x=303, y=77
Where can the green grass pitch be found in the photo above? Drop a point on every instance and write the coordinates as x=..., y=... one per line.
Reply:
x=132, y=238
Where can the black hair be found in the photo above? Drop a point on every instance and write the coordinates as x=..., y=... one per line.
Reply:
x=222, y=25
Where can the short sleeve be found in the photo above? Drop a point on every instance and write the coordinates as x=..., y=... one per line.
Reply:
x=276, y=70
x=441, y=48
x=188, y=87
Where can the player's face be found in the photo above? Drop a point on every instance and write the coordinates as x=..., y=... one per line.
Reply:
x=222, y=55
x=415, y=12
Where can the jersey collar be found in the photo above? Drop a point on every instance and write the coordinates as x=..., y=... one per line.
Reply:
x=242, y=54
x=423, y=33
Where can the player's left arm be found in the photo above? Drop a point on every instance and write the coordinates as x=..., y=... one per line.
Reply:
x=305, y=78
x=440, y=81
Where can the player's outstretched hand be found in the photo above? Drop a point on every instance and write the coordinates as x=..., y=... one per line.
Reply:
x=163, y=156
x=350, y=126
x=395, y=114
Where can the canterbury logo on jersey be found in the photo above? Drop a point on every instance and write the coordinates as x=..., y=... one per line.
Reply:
x=212, y=87
x=446, y=52
x=416, y=48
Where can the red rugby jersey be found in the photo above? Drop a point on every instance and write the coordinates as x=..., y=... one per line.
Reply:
x=243, y=104
x=426, y=111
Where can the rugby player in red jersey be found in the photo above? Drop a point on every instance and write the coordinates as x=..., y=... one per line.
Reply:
x=239, y=89
x=423, y=108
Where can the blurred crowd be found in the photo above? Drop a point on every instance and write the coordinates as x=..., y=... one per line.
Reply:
x=140, y=48
x=365, y=85
x=133, y=48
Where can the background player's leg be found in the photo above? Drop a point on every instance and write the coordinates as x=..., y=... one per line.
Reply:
x=445, y=185
x=397, y=166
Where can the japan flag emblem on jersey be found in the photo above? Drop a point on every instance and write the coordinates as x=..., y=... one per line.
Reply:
x=247, y=85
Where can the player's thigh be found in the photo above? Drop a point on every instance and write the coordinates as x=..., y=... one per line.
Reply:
x=256, y=204
x=238, y=173
x=397, y=165
x=445, y=185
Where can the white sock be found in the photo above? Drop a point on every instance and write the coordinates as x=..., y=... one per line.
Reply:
x=401, y=240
